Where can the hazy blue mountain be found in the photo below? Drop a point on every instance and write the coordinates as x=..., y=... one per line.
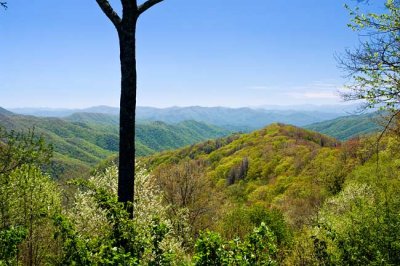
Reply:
x=63, y=112
x=44, y=112
x=94, y=118
x=342, y=109
x=238, y=119
x=233, y=118
x=347, y=127
x=103, y=109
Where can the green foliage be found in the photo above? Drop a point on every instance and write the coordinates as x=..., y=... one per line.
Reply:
x=360, y=228
x=28, y=198
x=297, y=198
x=240, y=221
x=258, y=248
x=74, y=249
x=159, y=136
x=10, y=238
x=209, y=250
x=360, y=225
x=347, y=127
x=19, y=148
x=280, y=166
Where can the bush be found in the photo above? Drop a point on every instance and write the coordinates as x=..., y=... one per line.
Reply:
x=258, y=248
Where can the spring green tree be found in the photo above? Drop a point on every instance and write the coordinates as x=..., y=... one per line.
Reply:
x=28, y=200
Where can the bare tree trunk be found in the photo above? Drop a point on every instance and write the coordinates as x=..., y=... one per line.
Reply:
x=126, y=174
x=126, y=28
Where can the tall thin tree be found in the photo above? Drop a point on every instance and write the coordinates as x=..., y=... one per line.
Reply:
x=126, y=29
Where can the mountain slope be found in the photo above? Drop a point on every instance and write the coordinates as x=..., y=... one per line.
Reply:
x=94, y=118
x=159, y=136
x=89, y=138
x=347, y=127
x=5, y=112
x=281, y=167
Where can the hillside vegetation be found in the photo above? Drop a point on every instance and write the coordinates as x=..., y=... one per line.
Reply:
x=281, y=195
x=347, y=127
x=82, y=140
x=268, y=168
x=288, y=178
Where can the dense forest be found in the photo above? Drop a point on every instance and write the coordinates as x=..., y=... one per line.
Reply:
x=279, y=195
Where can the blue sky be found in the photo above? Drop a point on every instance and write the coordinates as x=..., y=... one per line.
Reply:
x=190, y=52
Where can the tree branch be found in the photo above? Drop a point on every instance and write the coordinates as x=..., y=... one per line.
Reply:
x=4, y=4
x=146, y=5
x=109, y=11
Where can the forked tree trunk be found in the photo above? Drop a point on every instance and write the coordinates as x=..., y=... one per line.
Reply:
x=126, y=28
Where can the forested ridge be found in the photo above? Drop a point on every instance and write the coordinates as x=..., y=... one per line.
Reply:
x=82, y=140
x=351, y=126
x=285, y=195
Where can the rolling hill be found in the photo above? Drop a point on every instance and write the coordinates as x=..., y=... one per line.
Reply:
x=82, y=140
x=313, y=192
x=347, y=127
x=280, y=167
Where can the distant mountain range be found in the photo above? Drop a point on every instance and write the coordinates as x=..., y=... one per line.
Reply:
x=63, y=112
x=237, y=119
x=331, y=108
x=83, y=139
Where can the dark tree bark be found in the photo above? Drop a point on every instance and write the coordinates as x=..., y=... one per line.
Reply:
x=126, y=28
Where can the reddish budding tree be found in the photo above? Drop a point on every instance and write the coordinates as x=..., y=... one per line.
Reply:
x=126, y=28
